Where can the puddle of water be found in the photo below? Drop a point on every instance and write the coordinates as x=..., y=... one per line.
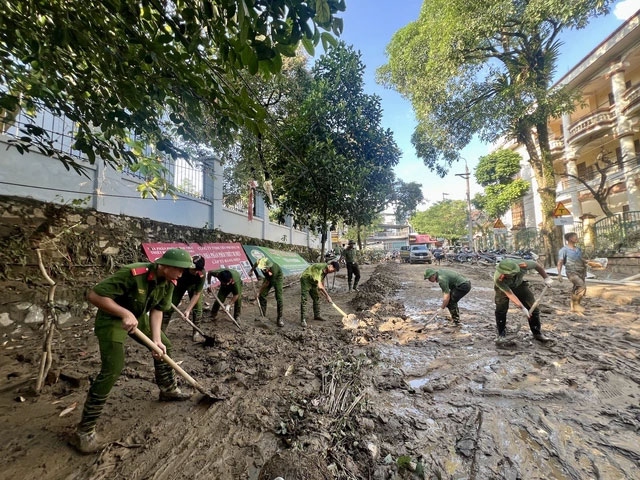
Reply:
x=418, y=383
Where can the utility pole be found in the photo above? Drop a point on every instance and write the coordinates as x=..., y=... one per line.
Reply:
x=443, y=194
x=466, y=176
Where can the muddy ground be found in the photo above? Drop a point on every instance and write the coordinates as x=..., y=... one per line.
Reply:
x=394, y=394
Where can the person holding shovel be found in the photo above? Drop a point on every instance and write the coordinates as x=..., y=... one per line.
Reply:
x=509, y=284
x=273, y=277
x=312, y=281
x=191, y=282
x=230, y=284
x=453, y=285
x=132, y=298
x=570, y=256
x=353, y=271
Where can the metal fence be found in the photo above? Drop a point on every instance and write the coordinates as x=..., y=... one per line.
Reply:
x=528, y=238
x=187, y=178
x=621, y=230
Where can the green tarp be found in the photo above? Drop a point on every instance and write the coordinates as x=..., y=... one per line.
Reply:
x=291, y=263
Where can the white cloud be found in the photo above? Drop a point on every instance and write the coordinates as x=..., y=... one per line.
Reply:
x=626, y=8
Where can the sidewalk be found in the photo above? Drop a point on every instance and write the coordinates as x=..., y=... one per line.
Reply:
x=627, y=293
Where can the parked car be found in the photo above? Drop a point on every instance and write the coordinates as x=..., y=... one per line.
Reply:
x=420, y=254
x=404, y=253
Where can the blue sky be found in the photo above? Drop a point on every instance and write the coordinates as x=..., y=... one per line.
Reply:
x=369, y=26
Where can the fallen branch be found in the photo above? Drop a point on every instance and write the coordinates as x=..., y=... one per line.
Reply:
x=50, y=320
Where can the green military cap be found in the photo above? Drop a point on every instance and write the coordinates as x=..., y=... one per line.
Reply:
x=508, y=266
x=176, y=257
x=429, y=272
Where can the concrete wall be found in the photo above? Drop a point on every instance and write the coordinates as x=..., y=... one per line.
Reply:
x=106, y=190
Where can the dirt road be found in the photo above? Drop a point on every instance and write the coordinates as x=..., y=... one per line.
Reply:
x=395, y=396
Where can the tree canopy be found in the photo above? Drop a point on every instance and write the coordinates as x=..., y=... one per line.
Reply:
x=447, y=219
x=334, y=160
x=486, y=68
x=149, y=70
x=496, y=173
x=406, y=198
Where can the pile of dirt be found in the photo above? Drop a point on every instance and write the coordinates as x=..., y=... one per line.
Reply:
x=397, y=393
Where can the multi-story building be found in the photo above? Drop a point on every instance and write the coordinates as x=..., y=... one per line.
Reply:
x=601, y=135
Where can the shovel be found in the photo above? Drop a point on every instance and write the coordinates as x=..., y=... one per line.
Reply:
x=208, y=341
x=165, y=358
x=351, y=317
x=537, y=302
x=222, y=307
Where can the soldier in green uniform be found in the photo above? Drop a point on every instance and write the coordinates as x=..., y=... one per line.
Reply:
x=312, y=281
x=454, y=286
x=134, y=297
x=273, y=277
x=353, y=270
x=509, y=284
x=230, y=284
x=191, y=282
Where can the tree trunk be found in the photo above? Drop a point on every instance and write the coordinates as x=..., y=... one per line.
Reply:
x=540, y=160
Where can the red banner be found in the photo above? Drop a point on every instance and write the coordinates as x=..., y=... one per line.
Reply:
x=216, y=255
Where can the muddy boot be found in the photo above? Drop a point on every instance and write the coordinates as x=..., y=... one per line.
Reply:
x=279, y=320
x=197, y=320
x=86, y=442
x=355, y=286
x=303, y=322
x=349, y=283
x=175, y=395
x=541, y=338
x=502, y=341
x=455, y=314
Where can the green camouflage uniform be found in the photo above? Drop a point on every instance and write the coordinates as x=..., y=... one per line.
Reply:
x=136, y=288
x=456, y=286
x=275, y=280
x=520, y=288
x=313, y=274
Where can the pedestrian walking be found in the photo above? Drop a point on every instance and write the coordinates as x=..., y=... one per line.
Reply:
x=453, y=285
x=570, y=256
x=133, y=297
x=191, y=282
x=273, y=278
x=312, y=282
x=510, y=285
x=353, y=270
x=230, y=284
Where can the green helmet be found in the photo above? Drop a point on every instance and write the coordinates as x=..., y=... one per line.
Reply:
x=264, y=263
x=429, y=272
x=509, y=266
x=176, y=257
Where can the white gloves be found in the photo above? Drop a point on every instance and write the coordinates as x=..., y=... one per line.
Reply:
x=548, y=281
x=525, y=311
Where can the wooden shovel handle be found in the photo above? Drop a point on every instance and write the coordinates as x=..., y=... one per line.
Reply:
x=165, y=358
x=184, y=317
x=537, y=302
x=338, y=309
x=225, y=311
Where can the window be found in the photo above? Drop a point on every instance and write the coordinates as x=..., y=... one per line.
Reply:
x=584, y=172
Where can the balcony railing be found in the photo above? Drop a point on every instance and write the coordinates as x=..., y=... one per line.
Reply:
x=556, y=146
x=632, y=99
x=600, y=119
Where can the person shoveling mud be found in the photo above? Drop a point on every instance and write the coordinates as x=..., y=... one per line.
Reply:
x=131, y=301
x=312, y=282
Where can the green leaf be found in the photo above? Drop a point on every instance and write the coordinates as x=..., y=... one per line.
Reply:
x=308, y=46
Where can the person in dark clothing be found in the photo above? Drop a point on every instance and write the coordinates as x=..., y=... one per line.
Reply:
x=191, y=282
x=230, y=284
x=353, y=270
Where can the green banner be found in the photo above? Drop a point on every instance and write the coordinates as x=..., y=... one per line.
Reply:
x=291, y=263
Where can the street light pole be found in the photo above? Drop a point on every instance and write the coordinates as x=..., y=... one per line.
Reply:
x=466, y=176
x=444, y=195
